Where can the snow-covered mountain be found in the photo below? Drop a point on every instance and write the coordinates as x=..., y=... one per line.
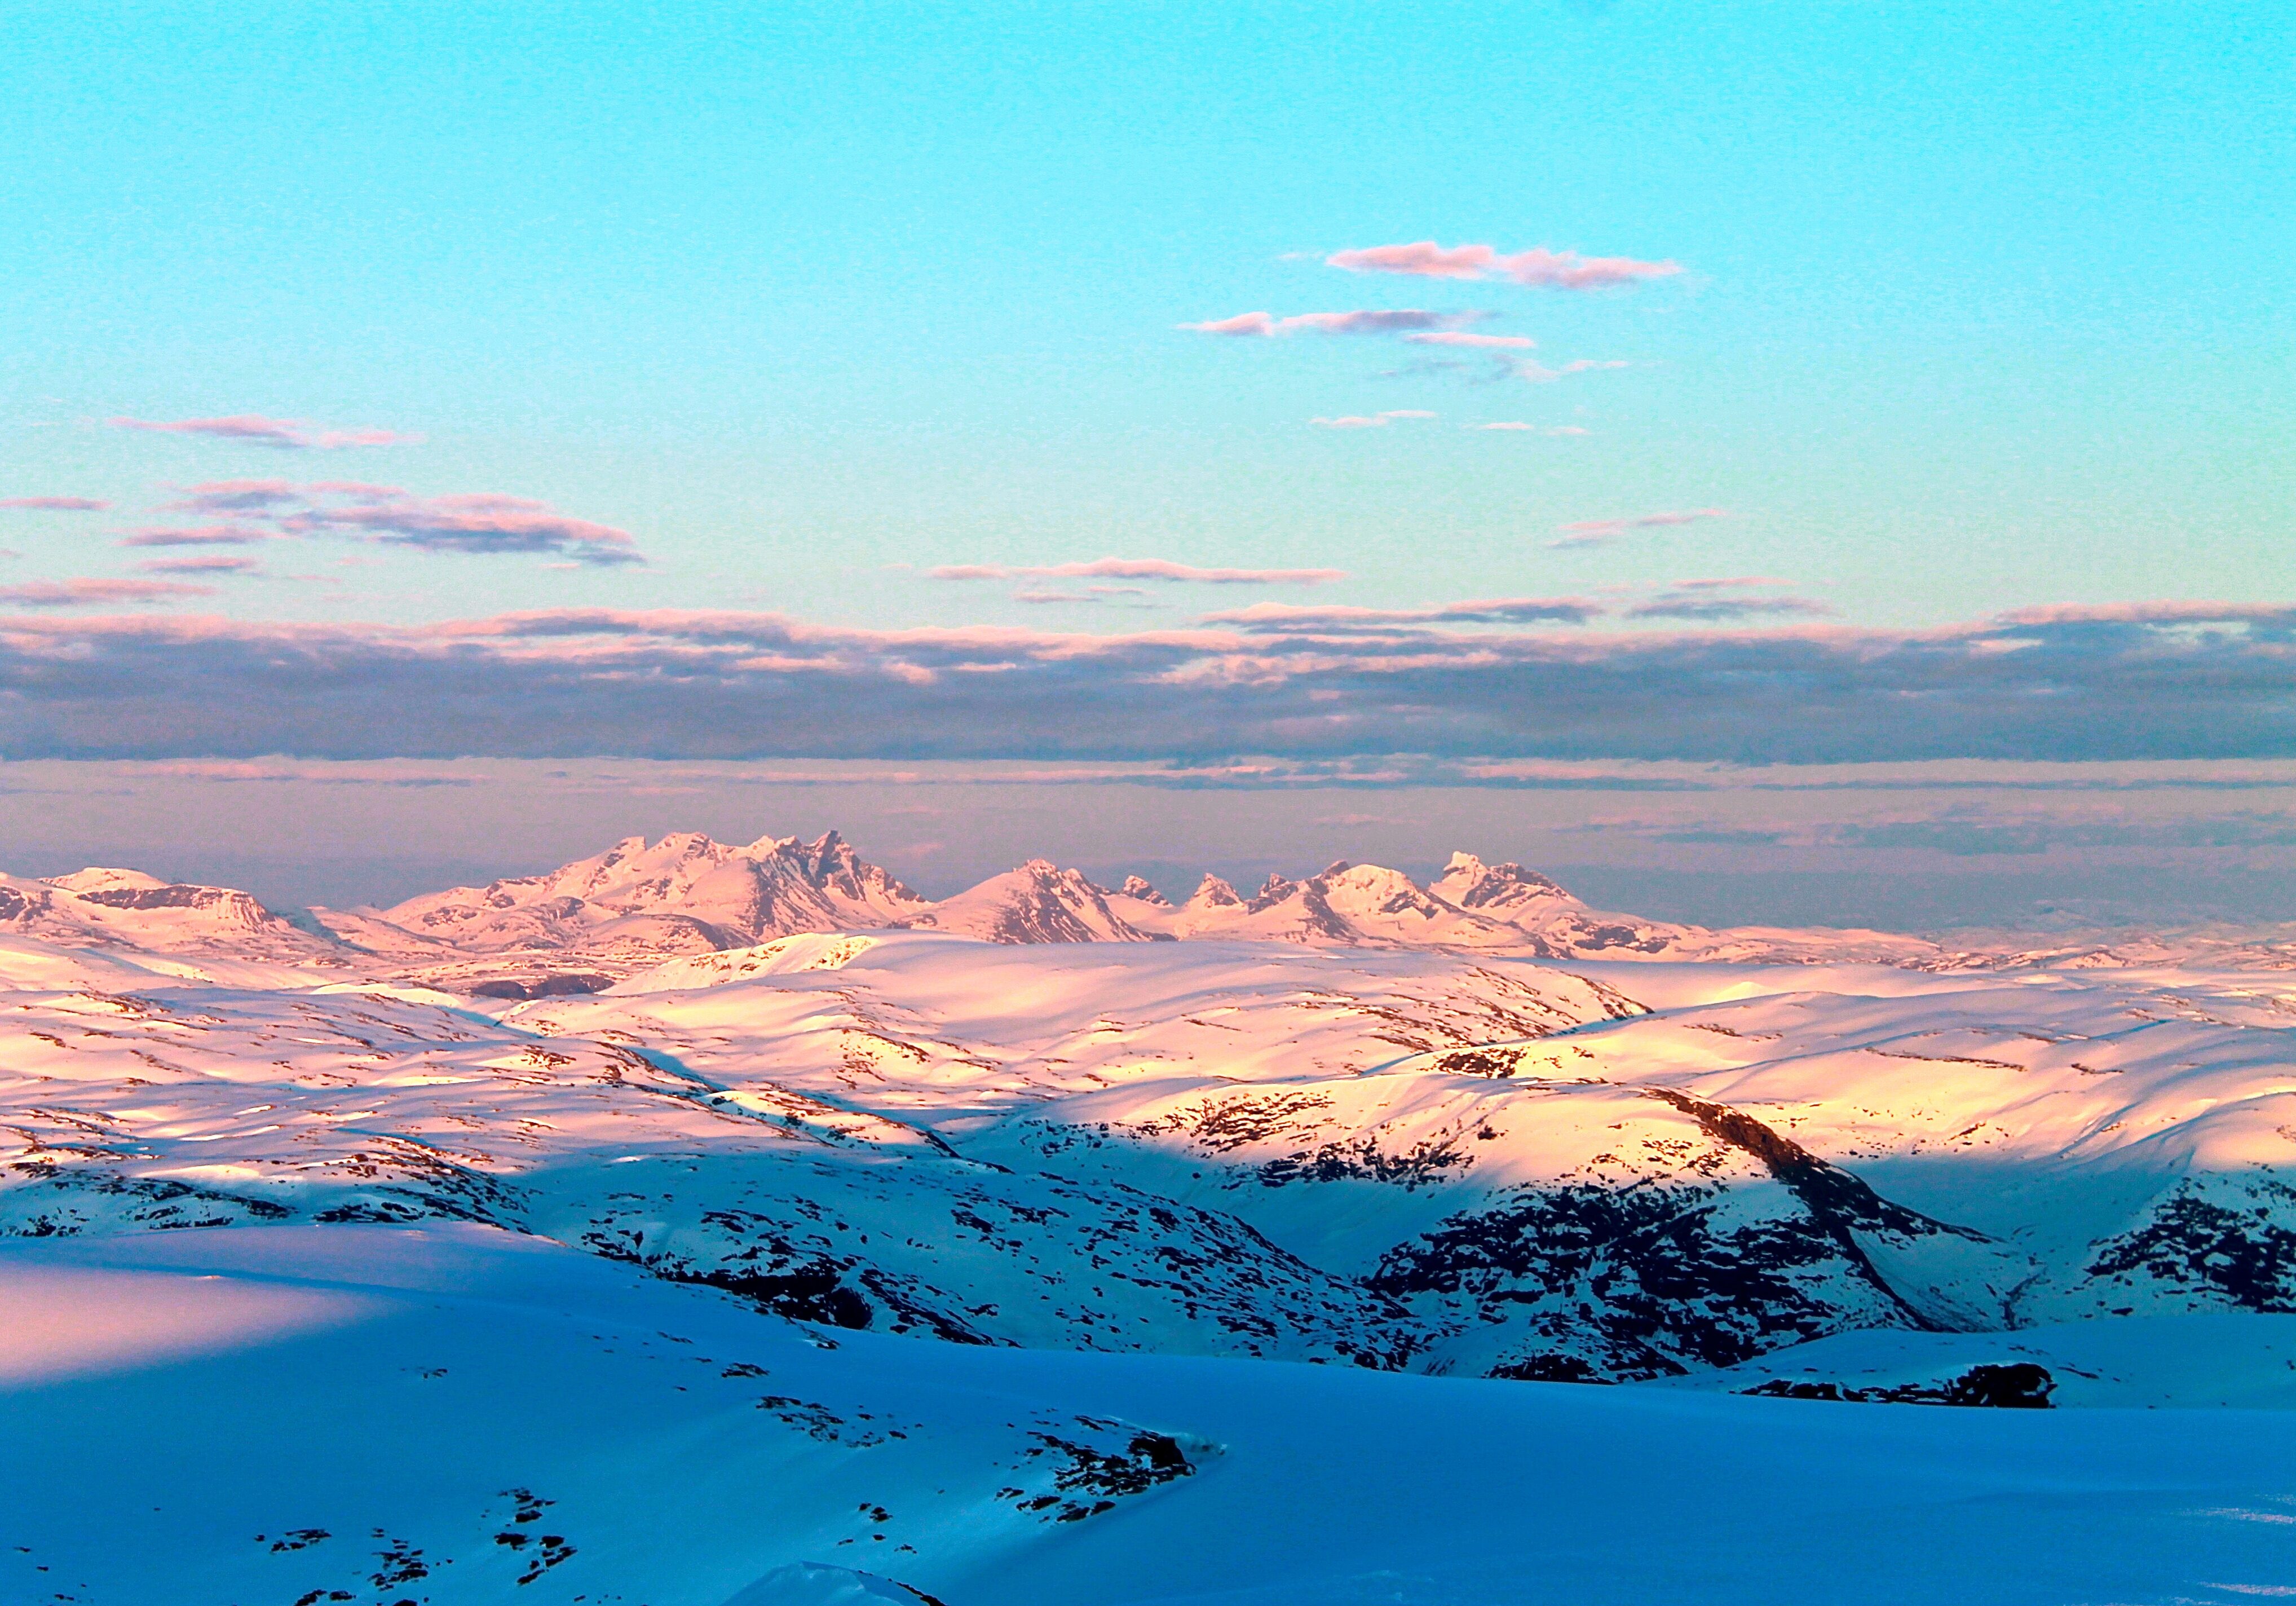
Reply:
x=107, y=908
x=1422, y=1134
x=684, y=894
x=635, y=904
x=1429, y=1160
x=600, y=918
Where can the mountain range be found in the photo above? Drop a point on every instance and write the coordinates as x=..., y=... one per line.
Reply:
x=599, y=919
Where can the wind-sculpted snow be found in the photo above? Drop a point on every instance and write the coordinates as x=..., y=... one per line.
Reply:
x=1472, y=1164
x=840, y=1223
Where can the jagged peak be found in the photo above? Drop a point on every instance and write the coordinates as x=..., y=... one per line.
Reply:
x=1481, y=883
x=1137, y=888
x=1271, y=891
x=1214, y=893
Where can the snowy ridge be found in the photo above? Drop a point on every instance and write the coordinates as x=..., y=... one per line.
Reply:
x=634, y=905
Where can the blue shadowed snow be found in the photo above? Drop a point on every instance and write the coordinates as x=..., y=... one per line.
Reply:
x=407, y=1394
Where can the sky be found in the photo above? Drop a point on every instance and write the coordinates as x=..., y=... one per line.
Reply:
x=1219, y=412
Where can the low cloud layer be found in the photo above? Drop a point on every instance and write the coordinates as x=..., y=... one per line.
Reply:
x=2161, y=681
x=55, y=504
x=283, y=434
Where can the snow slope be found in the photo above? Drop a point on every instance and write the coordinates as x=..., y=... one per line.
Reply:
x=1022, y=1241
x=450, y=1415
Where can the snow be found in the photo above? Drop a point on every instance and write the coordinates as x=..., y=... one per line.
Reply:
x=1264, y=1268
x=481, y=1368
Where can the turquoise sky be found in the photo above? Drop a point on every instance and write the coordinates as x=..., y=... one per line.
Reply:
x=1981, y=305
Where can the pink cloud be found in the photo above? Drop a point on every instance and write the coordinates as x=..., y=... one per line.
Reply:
x=1423, y=259
x=235, y=497
x=1242, y=324
x=476, y=522
x=1568, y=270
x=1597, y=532
x=81, y=592
x=1138, y=568
x=1363, y=321
x=287, y=434
x=214, y=564
x=1375, y=421
x=205, y=535
x=1503, y=342
x=471, y=522
x=57, y=504
x=1553, y=270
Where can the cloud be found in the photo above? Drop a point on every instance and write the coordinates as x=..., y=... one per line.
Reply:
x=1375, y=421
x=1540, y=373
x=1967, y=837
x=90, y=591
x=1517, y=610
x=1136, y=569
x=1394, y=321
x=1497, y=342
x=1090, y=596
x=2179, y=680
x=57, y=504
x=1551, y=270
x=285, y=434
x=483, y=522
x=204, y=535
x=479, y=522
x=1517, y=427
x=1597, y=532
x=236, y=496
x=215, y=564
x=1720, y=601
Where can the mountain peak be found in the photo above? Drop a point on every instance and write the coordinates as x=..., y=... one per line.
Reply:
x=99, y=878
x=1213, y=893
x=1468, y=883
